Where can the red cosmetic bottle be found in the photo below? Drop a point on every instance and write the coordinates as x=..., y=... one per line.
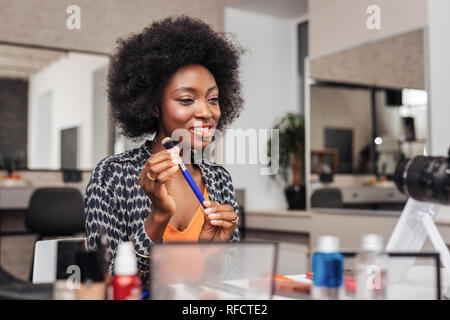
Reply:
x=125, y=283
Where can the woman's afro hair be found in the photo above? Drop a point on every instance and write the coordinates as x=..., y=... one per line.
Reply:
x=143, y=64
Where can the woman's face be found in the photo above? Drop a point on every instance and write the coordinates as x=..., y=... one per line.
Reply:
x=191, y=102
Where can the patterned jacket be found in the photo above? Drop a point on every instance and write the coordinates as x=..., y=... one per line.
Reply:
x=116, y=202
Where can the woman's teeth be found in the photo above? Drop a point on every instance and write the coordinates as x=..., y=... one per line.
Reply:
x=206, y=129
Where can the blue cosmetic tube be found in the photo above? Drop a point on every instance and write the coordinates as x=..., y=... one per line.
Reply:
x=168, y=144
x=327, y=264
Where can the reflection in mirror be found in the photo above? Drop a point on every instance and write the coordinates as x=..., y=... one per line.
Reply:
x=53, y=108
x=401, y=128
x=368, y=111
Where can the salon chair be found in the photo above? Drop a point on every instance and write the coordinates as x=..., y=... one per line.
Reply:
x=55, y=212
x=327, y=198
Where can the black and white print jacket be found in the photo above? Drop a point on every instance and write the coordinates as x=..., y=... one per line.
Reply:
x=115, y=202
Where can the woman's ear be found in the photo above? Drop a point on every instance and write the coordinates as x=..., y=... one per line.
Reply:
x=156, y=112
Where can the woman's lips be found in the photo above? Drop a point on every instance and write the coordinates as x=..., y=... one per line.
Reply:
x=202, y=131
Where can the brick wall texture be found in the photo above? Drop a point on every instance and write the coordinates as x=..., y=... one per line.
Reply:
x=396, y=62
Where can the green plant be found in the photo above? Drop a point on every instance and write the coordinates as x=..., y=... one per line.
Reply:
x=291, y=147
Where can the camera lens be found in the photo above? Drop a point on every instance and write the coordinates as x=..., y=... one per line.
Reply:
x=400, y=176
x=424, y=179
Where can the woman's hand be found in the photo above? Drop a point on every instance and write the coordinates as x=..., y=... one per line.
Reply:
x=220, y=222
x=157, y=180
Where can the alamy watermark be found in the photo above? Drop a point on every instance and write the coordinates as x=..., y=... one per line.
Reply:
x=373, y=281
x=233, y=146
x=373, y=21
x=74, y=280
x=74, y=19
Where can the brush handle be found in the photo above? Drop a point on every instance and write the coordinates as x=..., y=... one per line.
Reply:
x=187, y=175
x=193, y=186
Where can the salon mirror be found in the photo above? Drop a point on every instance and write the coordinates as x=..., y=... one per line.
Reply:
x=53, y=109
x=368, y=110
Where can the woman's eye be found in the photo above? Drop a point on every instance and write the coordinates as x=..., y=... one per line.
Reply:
x=213, y=100
x=186, y=101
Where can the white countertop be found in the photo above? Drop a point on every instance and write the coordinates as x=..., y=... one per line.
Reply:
x=442, y=218
x=418, y=284
x=279, y=212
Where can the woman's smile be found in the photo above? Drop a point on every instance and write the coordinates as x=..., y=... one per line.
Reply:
x=202, y=130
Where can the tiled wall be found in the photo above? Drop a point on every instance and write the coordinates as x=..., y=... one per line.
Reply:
x=13, y=117
x=396, y=62
x=338, y=107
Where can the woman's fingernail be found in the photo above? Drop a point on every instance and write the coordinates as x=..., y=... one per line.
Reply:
x=209, y=210
x=214, y=221
x=206, y=203
x=213, y=216
x=175, y=161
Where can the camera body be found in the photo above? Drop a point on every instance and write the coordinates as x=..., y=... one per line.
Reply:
x=425, y=178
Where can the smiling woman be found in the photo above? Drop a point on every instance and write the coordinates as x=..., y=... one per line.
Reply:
x=177, y=74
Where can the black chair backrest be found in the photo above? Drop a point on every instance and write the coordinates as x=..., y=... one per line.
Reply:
x=327, y=198
x=55, y=212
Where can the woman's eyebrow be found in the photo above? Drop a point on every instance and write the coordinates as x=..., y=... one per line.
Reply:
x=211, y=89
x=184, y=89
x=193, y=90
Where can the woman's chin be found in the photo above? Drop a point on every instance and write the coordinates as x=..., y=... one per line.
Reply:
x=201, y=144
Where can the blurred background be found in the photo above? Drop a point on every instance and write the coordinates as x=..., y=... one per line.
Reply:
x=354, y=87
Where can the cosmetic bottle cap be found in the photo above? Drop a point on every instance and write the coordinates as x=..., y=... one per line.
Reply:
x=328, y=244
x=125, y=263
x=372, y=242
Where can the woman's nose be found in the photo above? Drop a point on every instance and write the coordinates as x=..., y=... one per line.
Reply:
x=202, y=110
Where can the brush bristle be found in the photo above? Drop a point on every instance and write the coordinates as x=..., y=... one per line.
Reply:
x=167, y=143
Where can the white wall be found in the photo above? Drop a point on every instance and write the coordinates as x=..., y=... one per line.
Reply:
x=439, y=80
x=70, y=81
x=289, y=9
x=439, y=75
x=269, y=79
x=43, y=120
x=100, y=115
